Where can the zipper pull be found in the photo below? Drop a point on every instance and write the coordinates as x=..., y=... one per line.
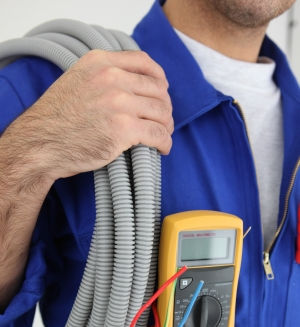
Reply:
x=267, y=266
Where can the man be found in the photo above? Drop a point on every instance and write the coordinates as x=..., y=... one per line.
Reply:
x=110, y=101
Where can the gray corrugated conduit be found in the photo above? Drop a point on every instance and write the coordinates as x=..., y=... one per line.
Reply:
x=73, y=45
x=120, y=271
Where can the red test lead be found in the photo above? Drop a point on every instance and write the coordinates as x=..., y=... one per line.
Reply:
x=157, y=294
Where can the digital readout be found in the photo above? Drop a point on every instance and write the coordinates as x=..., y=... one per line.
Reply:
x=204, y=248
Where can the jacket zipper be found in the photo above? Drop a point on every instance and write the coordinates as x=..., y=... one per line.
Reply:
x=266, y=254
x=266, y=261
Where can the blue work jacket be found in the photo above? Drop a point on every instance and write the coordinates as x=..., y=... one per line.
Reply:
x=210, y=167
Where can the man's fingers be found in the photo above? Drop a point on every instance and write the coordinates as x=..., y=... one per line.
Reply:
x=137, y=62
x=132, y=61
x=153, y=134
x=155, y=110
x=140, y=107
x=111, y=76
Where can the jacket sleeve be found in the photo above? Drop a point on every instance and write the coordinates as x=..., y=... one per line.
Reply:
x=21, y=308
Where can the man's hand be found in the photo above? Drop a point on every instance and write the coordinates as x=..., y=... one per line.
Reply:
x=106, y=103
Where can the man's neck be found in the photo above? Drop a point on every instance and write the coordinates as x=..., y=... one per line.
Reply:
x=205, y=24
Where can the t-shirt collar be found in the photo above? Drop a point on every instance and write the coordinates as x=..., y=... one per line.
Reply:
x=191, y=94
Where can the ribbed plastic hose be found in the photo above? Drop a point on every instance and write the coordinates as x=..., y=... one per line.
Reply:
x=121, y=267
x=73, y=45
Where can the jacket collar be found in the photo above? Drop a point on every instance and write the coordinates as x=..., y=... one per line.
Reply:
x=283, y=75
x=191, y=94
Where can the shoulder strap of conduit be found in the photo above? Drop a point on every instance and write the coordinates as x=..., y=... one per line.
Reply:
x=121, y=267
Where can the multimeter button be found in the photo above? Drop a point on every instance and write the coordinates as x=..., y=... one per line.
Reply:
x=185, y=282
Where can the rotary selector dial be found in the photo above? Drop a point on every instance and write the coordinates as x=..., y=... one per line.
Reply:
x=207, y=312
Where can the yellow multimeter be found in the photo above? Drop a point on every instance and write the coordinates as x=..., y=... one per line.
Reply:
x=209, y=243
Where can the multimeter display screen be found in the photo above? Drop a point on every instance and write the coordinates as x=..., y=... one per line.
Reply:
x=204, y=248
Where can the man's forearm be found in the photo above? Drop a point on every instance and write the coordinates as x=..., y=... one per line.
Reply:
x=23, y=188
x=103, y=105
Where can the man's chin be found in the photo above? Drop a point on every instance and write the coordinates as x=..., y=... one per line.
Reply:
x=251, y=13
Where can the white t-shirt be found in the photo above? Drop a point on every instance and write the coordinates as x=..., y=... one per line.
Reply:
x=252, y=85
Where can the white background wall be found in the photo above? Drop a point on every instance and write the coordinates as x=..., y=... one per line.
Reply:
x=18, y=16
x=295, y=39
